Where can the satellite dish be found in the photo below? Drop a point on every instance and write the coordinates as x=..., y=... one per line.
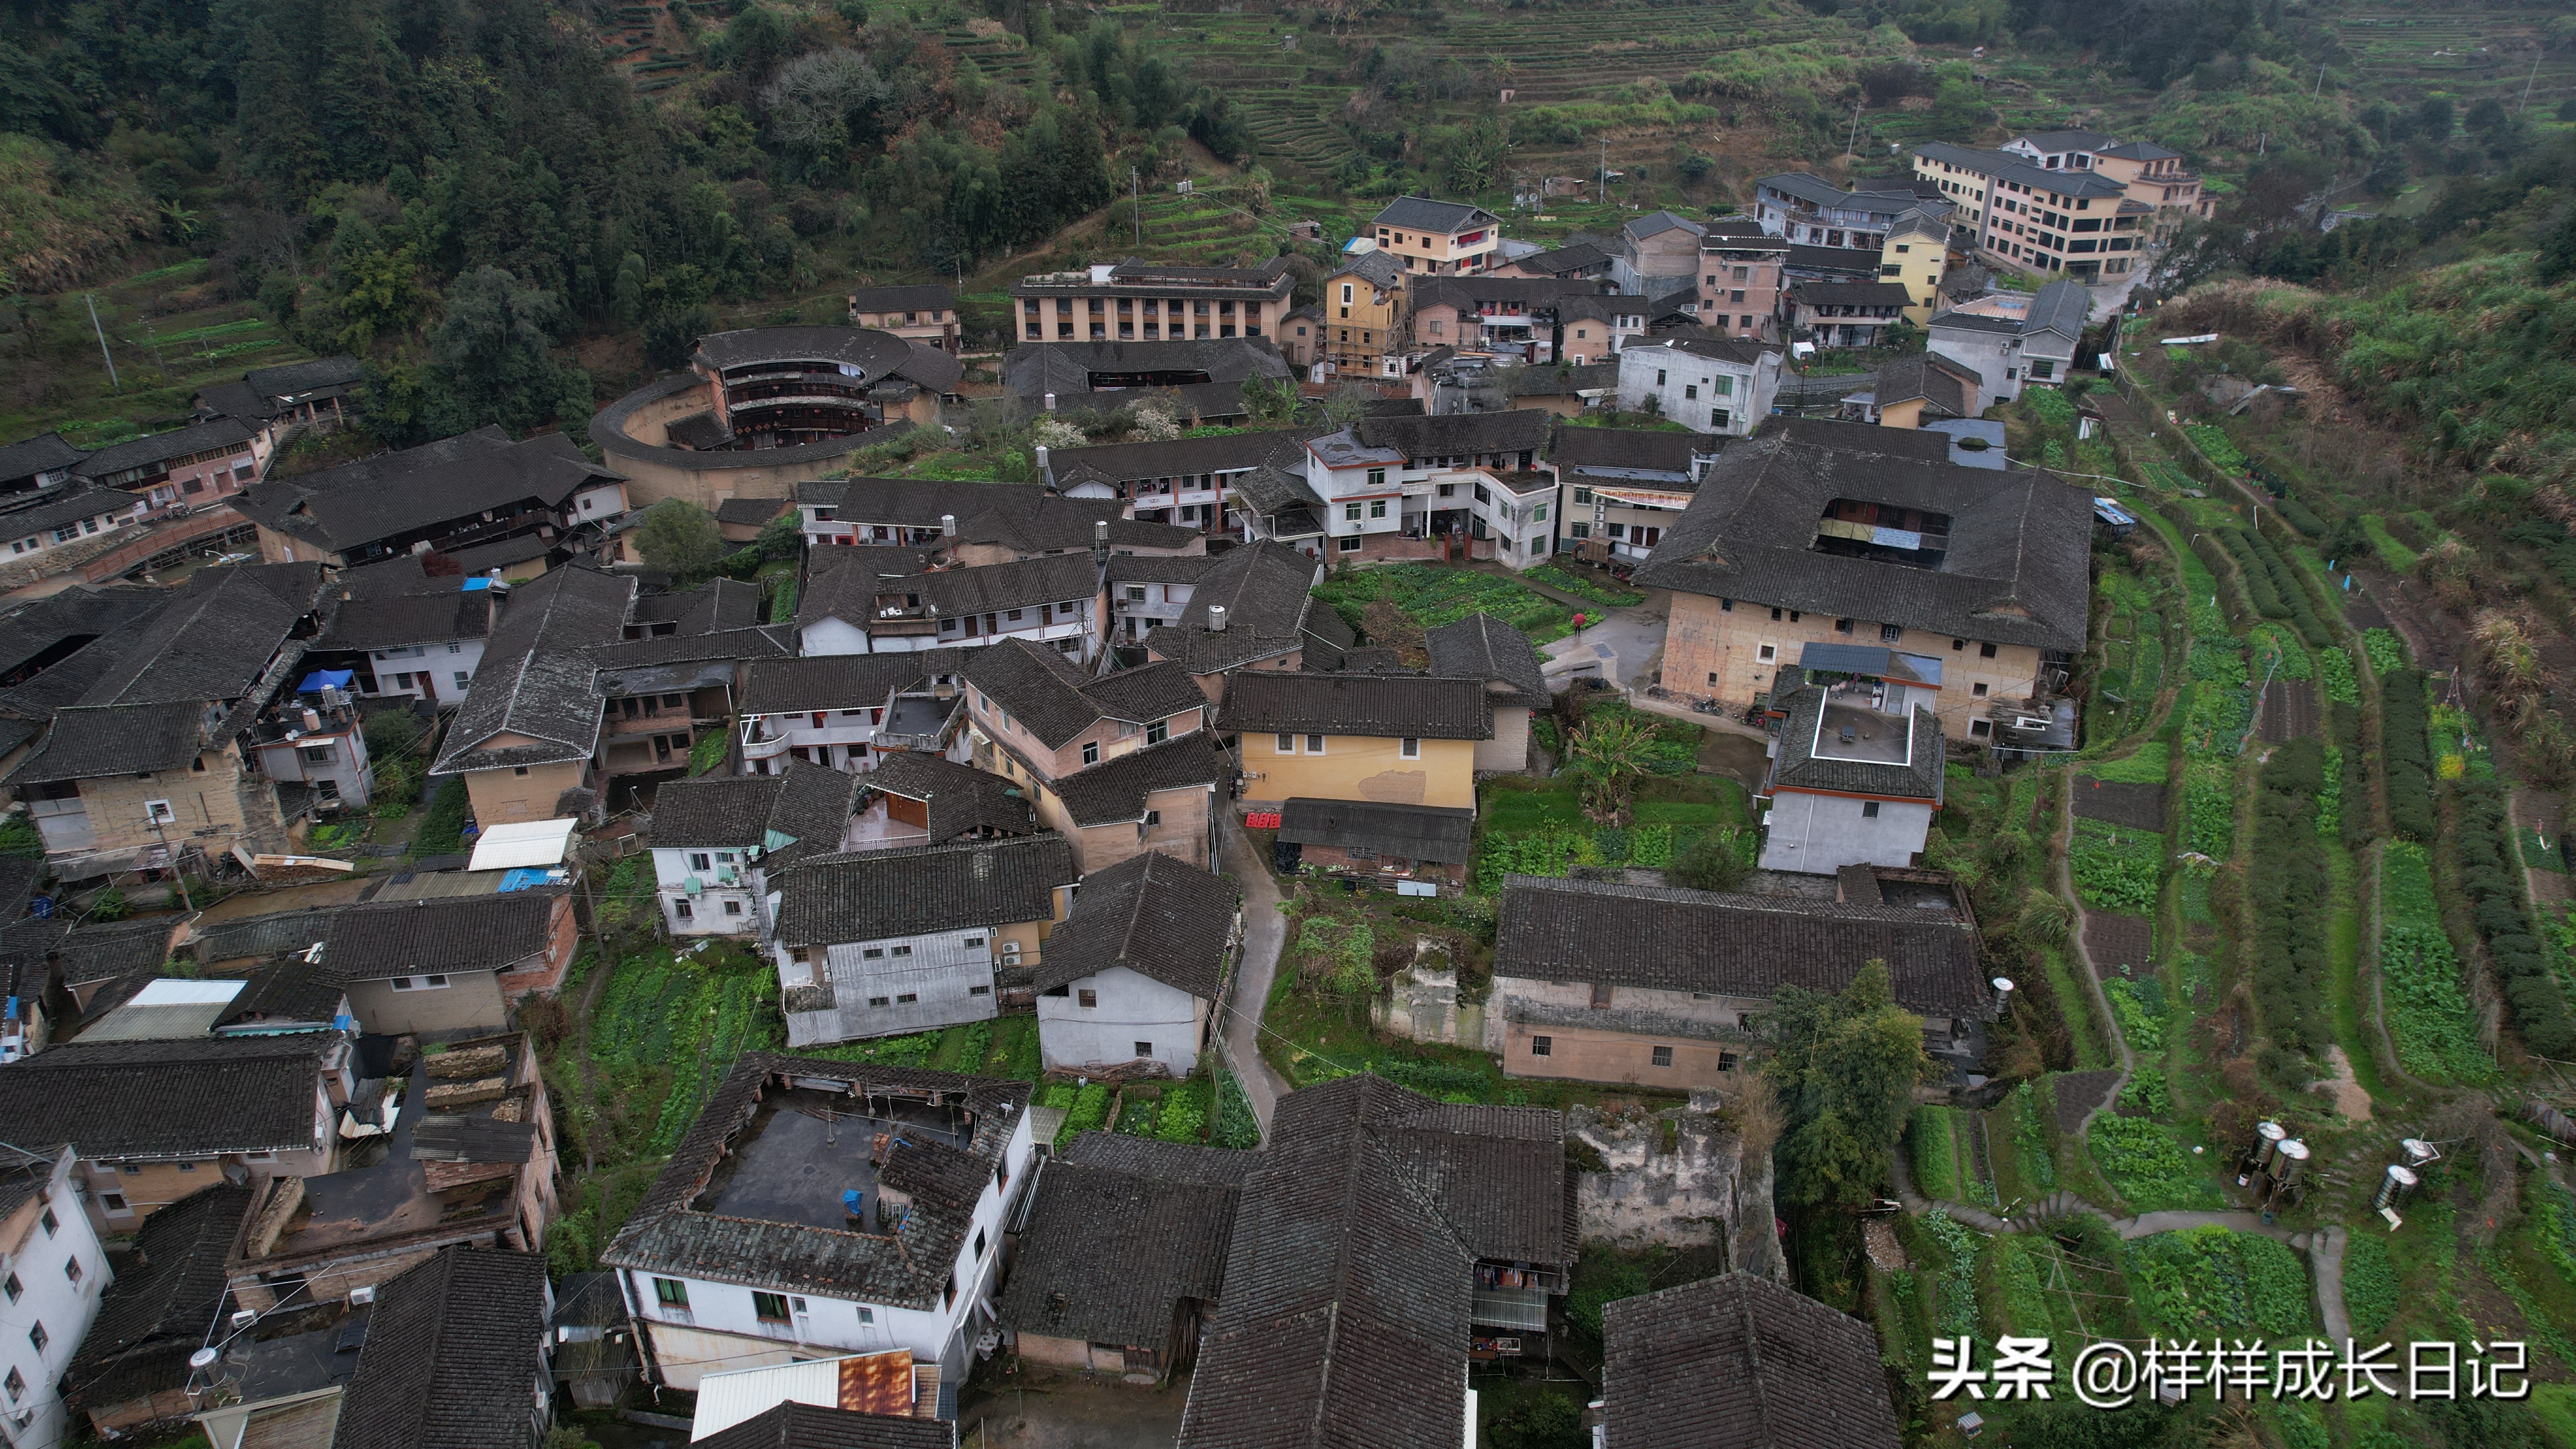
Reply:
x=2003, y=984
x=203, y=1359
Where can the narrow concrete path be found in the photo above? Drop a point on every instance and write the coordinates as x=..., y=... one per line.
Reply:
x=1265, y=933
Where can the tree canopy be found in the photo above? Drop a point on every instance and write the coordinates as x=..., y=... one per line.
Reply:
x=1845, y=1066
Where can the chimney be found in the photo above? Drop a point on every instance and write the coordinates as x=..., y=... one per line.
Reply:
x=1216, y=618
x=1050, y=402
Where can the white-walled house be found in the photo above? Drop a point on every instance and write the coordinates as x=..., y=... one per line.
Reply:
x=1135, y=972
x=1855, y=774
x=820, y=1208
x=55, y=1270
x=1707, y=384
x=1390, y=484
x=884, y=942
x=848, y=710
x=718, y=841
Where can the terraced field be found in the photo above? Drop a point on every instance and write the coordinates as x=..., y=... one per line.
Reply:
x=2408, y=51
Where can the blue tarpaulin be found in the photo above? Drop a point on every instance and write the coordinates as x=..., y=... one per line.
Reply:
x=322, y=679
x=522, y=878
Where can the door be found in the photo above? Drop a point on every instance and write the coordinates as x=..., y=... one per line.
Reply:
x=803, y=1318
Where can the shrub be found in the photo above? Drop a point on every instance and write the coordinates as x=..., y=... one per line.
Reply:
x=442, y=828
x=2288, y=888
x=2387, y=652
x=2335, y=677
x=2146, y=1165
x=2116, y=869
x=2490, y=878
x=1715, y=860
x=1090, y=1113
x=2405, y=758
x=1236, y=1126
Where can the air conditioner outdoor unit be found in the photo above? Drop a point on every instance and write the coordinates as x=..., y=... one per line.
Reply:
x=361, y=1297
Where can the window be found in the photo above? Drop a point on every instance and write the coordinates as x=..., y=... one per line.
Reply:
x=903, y=950
x=1091, y=752
x=16, y=1383
x=979, y=990
x=158, y=812
x=979, y=1242
x=1153, y=818
x=39, y=1337
x=873, y=953
x=698, y=861
x=1977, y=690
x=1978, y=729
x=1144, y=1049
x=53, y=1224
x=1409, y=747
x=769, y=1307
x=1775, y=616
x=733, y=908
x=1377, y=508
x=72, y=1269
x=1659, y=377
x=114, y=1202
x=1541, y=1045
x=1158, y=731
x=14, y=1287
x=1582, y=495
x=1765, y=654
x=463, y=679
x=1287, y=744
x=1348, y=545
x=1350, y=513
x=1314, y=744
x=1690, y=390
x=682, y=910
x=1135, y=593
x=671, y=1293
x=1957, y=645
x=1087, y=999
x=948, y=1298
x=514, y=769
x=1985, y=651
x=1663, y=1056
x=1726, y=1061
x=907, y=998
x=1842, y=626
x=880, y=1001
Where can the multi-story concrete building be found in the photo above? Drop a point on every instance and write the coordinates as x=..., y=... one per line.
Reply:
x=1521, y=315
x=1437, y=238
x=1180, y=482
x=2155, y=178
x=1619, y=488
x=1914, y=256
x=718, y=842
x=926, y=314
x=1362, y=327
x=196, y=464
x=1119, y=764
x=56, y=1270
x=1707, y=384
x=48, y=521
x=2037, y=219
x=825, y=1207
x=1811, y=211
x=1658, y=253
x=1855, y=773
x=882, y=942
x=1408, y=487
x=1841, y=533
x=1743, y=270
x=849, y=711
x=1133, y=301
x=465, y=497
x=1845, y=314
x=2012, y=341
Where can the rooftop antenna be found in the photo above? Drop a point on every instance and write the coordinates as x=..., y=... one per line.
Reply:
x=104, y=355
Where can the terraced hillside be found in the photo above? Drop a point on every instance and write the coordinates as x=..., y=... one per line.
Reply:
x=2411, y=51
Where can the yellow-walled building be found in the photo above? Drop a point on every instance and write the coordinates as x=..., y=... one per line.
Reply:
x=1916, y=252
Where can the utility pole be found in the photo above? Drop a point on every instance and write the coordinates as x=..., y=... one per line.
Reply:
x=1136, y=191
x=162, y=362
x=2526, y=84
x=104, y=355
x=2321, y=80
x=1854, y=138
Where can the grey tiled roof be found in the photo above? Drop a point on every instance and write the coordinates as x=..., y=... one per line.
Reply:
x=1929, y=377
x=536, y=678
x=1345, y=1314
x=1264, y=590
x=1655, y=223
x=397, y=621
x=962, y=800
x=1109, y=1257
x=42, y=453
x=1163, y=1161
x=1379, y=269
x=877, y=353
x=919, y=297
x=2006, y=166
x=1409, y=832
x=713, y=606
x=454, y=478
x=160, y=447
x=1182, y=457
x=91, y=742
x=440, y=933
x=1375, y=705
x=163, y=1303
x=453, y=1355
x=1740, y=1362
x=1459, y=434
x=258, y=938
x=908, y=1268
x=2061, y=307
x=1851, y=294
x=880, y=893
x=293, y=379
x=191, y=1097
x=66, y=506
x=1146, y=568
x=792, y=1425
x=1423, y=213
x=1481, y=646
x=1123, y=788
x=1798, y=767
x=1065, y=368
x=1025, y=583
x=2017, y=569
x=808, y=803
x=841, y=681
x=1055, y=701
x=215, y=638
x=32, y=627
x=1665, y=939
x=759, y=641
x=1270, y=490
x=1157, y=916
x=752, y=512
x=1646, y=450
x=96, y=950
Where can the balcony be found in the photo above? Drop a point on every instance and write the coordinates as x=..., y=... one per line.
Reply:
x=757, y=747
x=1524, y=1308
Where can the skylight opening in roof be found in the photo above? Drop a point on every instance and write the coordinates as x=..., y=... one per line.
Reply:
x=1890, y=533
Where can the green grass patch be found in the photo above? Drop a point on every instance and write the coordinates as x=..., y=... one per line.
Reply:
x=2210, y=1280
x=2116, y=868
x=2430, y=1021
x=1432, y=595
x=1586, y=586
x=2147, y=1164
x=1934, y=1145
x=2148, y=764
